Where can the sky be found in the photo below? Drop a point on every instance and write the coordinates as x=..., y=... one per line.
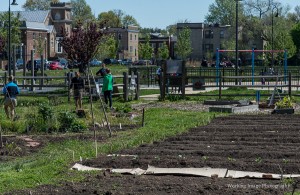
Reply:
x=151, y=13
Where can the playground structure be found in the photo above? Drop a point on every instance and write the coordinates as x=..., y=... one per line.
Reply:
x=253, y=51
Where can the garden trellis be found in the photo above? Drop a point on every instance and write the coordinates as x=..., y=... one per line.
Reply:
x=253, y=51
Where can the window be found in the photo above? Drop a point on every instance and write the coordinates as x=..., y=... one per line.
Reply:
x=130, y=37
x=134, y=52
x=57, y=16
x=135, y=37
x=222, y=34
x=52, y=43
x=59, y=47
x=153, y=45
x=160, y=44
x=131, y=49
x=208, y=48
x=33, y=35
x=209, y=34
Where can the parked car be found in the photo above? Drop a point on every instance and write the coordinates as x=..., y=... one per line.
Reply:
x=63, y=62
x=55, y=66
x=143, y=62
x=6, y=67
x=19, y=64
x=37, y=65
x=110, y=61
x=95, y=62
x=127, y=62
x=73, y=64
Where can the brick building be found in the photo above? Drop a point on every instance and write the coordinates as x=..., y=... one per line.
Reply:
x=128, y=41
x=40, y=31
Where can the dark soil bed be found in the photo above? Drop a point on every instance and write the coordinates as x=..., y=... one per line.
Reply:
x=263, y=143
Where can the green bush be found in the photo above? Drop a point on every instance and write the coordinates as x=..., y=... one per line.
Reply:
x=125, y=108
x=286, y=102
x=174, y=98
x=12, y=126
x=68, y=122
x=45, y=111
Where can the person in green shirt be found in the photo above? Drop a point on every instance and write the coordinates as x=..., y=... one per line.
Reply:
x=107, y=87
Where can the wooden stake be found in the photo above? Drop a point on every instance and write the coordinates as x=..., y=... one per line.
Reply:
x=1, y=141
x=143, y=119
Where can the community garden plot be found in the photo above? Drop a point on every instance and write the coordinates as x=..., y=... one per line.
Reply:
x=250, y=143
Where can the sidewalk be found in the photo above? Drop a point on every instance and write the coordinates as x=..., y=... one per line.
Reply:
x=188, y=90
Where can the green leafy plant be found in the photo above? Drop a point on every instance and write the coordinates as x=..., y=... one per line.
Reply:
x=258, y=160
x=45, y=111
x=205, y=158
x=12, y=148
x=68, y=122
x=286, y=102
x=124, y=108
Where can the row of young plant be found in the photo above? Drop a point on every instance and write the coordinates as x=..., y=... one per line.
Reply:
x=52, y=164
x=39, y=115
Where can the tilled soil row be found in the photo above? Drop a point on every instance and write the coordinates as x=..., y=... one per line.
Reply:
x=263, y=143
x=266, y=143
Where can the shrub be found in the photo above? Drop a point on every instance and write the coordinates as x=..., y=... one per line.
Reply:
x=68, y=122
x=286, y=102
x=125, y=108
x=45, y=111
x=12, y=126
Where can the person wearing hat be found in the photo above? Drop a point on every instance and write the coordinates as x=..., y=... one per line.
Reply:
x=10, y=91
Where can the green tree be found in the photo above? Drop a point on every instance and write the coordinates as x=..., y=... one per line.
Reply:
x=282, y=38
x=145, y=49
x=172, y=29
x=295, y=33
x=128, y=20
x=257, y=8
x=39, y=45
x=107, y=47
x=116, y=18
x=32, y=5
x=81, y=12
x=163, y=51
x=222, y=12
x=15, y=29
x=110, y=19
x=2, y=44
x=183, y=47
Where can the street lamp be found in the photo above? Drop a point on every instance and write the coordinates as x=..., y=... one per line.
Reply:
x=9, y=36
x=46, y=48
x=236, y=38
x=272, y=41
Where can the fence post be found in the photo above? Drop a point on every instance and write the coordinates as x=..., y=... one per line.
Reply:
x=163, y=81
x=32, y=70
x=290, y=84
x=125, y=86
x=137, y=93
x=42, y=72
x=223, y=76
x=183, y=79
x=217, y=65
x=5, y=77
x=69, y=84
x=220, y=85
